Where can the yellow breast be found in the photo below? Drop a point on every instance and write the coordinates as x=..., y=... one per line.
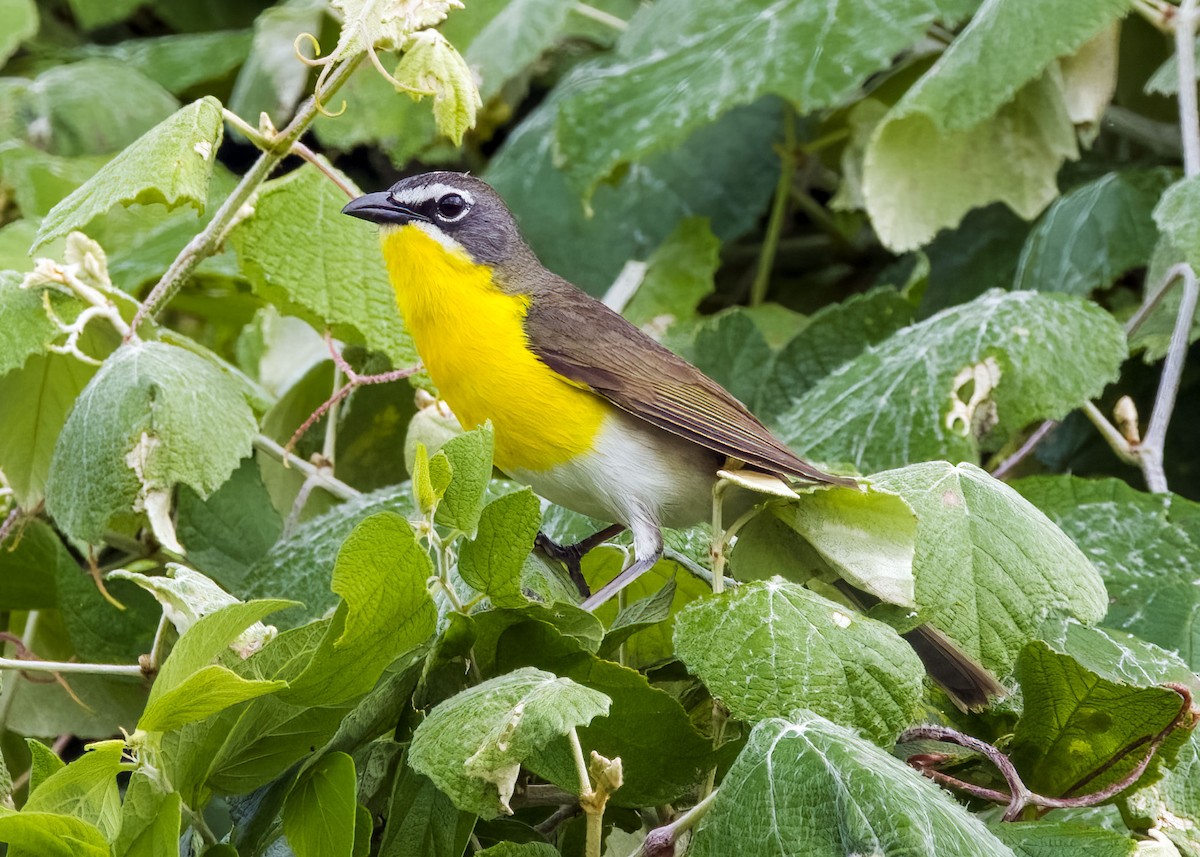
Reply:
x=472, y=340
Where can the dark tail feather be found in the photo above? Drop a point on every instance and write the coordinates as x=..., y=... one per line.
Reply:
x=969, y=685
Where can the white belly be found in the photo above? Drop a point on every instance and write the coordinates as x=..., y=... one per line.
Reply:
x=635, y=473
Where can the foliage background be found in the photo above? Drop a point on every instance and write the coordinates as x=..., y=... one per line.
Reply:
x=905, y=233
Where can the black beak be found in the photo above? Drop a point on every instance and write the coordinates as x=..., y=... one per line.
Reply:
x=379, y=207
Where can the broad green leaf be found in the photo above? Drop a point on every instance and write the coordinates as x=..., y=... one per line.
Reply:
x=834, y=335
x=732, y=351
x=492, y=561
x=662, y=754
x=470, y=456
x=94, y=106
x=1143, y=545
x=231, y=529
x=43, y=762
x=422, y=822
x=29, y=329
x=319, y=814
x=180, y=62
x=196, y=650
x=1118, y=656
x=86, y=789
x=575, y=623
x=100, y=632
x=139, y=429
x=20, y=22
x=90, y=14
x=1165, y=80
x=32, y=557
x=339, y=280
x=810, y=788
x=1075, y=723
x=513, y=37
x=519, y=849
x=150, y=819
x=430, y=63
x=272, y=79
x=770, y=647
x=1172, y=804
x=867, y=537
x=170, y=164
x=965, y=379
x=678, y=275
x=380, y=573
x=203, y=693
x=730, y=54
x=473, y=744
x=1178, y=216
x=981, y=253
x=1063, y=839
x=301, y=563
x=632, y=216
x=637, y=616
x=47, y=834
x=1091, y=236
x=990, y=568
x=48, y=386
x=37, y=181
x=993, y=104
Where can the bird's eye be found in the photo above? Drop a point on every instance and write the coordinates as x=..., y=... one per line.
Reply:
x=451, y=207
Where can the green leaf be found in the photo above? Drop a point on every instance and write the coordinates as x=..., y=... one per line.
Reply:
x=271, y=80
x=43, y=762
x=519, y=849
x=90, y=107
x=866, y=537
x=380, y=573
x=1143, y=545
x=678, y=275
x=190, y=662
x=1075, y=723
x=492, y=561
x=47, y=834
x=512, y=38
x=473, y=744
x=638, y=616
x=86, y=789
x=981, y=253
x=575, y=623
x=818, y=790
x=1178, y=216
x=470, y=456
x=32, y=557
x=731, y=349
x=90, y=14
x=1172, y=804
x=730, y=54
x=300, y=564
x=338, y=281
x=968, y=378
x=993, y=103
x=1062, y=839
x=229, y=531
x=200, y=695
x=171, y=164
x=319, y=814
x=139, y=429
x=1118, y=656
x=180, y=62
x=663, y=755
x=432, y=64
x=29, y=329
x=422, y=822
x=633, y=215
x=835, y=334
x=770, y=647
x=1094, y=234
x=990, y=568
x=97, y=629
x=48, y=386
x=20, y=22
x=150, y=819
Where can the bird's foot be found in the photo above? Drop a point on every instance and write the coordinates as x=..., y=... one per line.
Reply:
x=572, y=555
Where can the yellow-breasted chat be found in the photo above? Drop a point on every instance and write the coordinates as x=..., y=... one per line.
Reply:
x=588, y=410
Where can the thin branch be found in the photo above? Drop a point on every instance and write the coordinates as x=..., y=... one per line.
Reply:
x=1189, y=115
x=662, y=840
x=348, y=187
x=334, y=486
x=585, y=784
x=1111, y=435
x=70, y=667
x=207, y=241
x=1019, y=796
x=600, y=16
x=1039, y=434
x=787, y=172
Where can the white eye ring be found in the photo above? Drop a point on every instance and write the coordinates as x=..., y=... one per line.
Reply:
x=453, y=201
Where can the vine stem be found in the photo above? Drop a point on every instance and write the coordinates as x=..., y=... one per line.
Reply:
x=661, y=840
x=334, y=486
x=71, y=667
x=207, y=241
x=787, y=172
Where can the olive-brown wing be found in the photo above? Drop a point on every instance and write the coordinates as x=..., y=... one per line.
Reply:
x=586, y=342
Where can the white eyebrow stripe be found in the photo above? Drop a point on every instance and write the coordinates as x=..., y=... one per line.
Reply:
x=424, y=193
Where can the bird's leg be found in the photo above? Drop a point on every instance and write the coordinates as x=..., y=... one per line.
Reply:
x=647, y=550
x=571, y=555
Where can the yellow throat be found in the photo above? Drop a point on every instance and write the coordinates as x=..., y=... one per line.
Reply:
x=471, y=337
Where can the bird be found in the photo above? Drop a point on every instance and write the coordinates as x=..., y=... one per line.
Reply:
x=586, y=409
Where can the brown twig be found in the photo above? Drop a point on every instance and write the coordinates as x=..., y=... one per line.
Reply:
x=353, y=379
x=1039, y=434
x=1019, y=796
